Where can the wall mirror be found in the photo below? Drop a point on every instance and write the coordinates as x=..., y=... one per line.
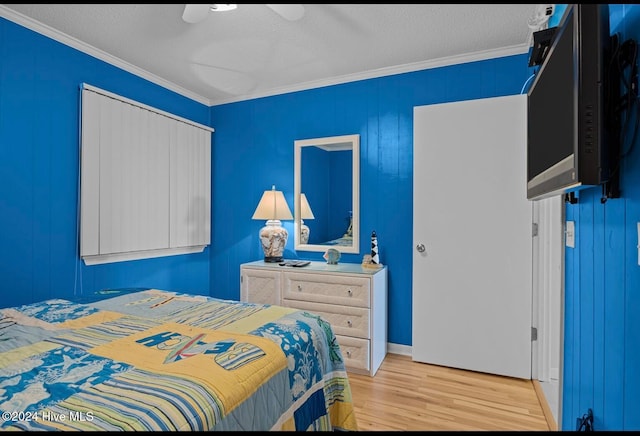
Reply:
x=327, y=194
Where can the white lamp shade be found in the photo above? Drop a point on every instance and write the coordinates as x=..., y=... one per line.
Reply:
x=272, y=206
x=305, y=209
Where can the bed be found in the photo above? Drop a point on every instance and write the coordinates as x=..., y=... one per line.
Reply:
x=344, y=241
x=153, y=360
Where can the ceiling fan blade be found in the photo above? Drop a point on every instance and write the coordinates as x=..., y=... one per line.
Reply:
x=195, y=13
x=288, y=12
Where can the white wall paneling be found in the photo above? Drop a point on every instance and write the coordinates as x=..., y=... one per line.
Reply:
x=145, y=181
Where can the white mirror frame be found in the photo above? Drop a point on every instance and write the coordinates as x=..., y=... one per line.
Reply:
x=338, y=143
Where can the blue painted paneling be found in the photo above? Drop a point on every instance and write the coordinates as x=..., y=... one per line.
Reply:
x=602, y=290
x=314, y=184
x=39, y=155
x=340, y=186
x=585, y=311
x=327, y=183
x=258, y=136
x=598, y=305
x=629, y=270
x=613, y=304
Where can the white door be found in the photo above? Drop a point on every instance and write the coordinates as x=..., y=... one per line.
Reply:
x=472, y=229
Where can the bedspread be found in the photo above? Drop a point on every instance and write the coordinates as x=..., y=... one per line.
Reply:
x=157, y=360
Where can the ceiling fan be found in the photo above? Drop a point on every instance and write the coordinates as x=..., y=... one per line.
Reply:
x=197, y=12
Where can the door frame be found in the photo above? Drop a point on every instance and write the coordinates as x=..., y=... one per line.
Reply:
x=548, y=294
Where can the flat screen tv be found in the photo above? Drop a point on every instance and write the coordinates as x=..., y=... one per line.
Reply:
x=568, y=129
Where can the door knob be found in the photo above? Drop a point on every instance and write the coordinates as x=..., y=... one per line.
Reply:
x=420, y=248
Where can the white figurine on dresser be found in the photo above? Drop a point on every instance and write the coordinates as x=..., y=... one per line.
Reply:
x=353, y=299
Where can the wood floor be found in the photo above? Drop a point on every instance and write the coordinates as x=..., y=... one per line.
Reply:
x=408, y=395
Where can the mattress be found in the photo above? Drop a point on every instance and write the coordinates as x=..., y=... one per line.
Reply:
x=153, y=360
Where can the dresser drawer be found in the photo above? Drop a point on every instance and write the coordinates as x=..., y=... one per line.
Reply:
x=355, y=352
x=344, y=320
x=338, y=289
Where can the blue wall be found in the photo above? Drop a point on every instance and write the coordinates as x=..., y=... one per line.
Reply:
x=326, y=181
x=253, y=149
x=602, y=291
x=39, y=95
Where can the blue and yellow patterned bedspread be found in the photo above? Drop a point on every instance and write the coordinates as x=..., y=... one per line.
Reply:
x=155, y=360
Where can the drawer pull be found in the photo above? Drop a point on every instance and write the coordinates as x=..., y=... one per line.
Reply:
x=348, y=353
x=350, y=292
x=349, y=323
x=299, y=288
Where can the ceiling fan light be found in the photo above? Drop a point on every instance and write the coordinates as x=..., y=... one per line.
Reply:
x=222, y=8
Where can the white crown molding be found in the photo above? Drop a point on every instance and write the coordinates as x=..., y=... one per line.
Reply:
x=63, y=38
x=388, y=71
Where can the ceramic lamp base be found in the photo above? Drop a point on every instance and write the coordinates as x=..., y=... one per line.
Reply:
x=304, y=232
x=273, y=238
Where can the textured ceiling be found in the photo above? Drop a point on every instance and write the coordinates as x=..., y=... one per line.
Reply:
x=252, y=51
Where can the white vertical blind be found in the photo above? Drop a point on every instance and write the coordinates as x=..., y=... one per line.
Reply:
x=145, y=181
x=190, y=188
x=90, y=175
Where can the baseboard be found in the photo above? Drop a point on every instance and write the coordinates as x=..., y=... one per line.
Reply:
x=405, y=350
x=542, y=399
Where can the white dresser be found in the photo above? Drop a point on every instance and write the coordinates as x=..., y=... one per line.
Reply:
x=352, y=298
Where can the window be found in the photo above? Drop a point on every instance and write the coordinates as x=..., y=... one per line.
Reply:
x=145, y=181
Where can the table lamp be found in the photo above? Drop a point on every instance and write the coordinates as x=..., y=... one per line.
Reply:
x=273, y=237
x=305, y=214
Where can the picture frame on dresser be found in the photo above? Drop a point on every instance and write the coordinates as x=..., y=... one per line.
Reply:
x=353, y=299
